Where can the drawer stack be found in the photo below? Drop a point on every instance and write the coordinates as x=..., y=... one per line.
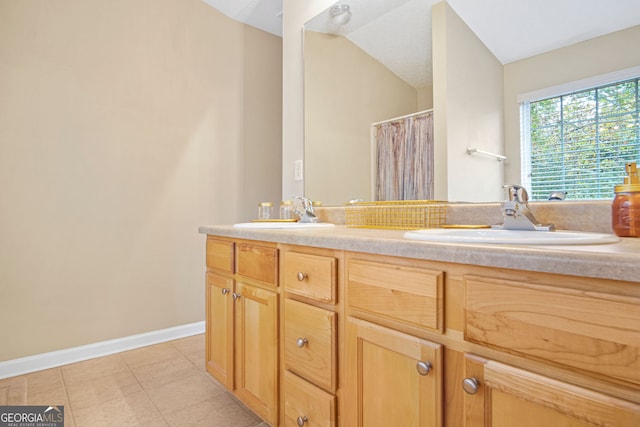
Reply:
x=310, y=338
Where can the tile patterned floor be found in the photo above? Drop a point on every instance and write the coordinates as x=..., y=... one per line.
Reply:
x=160, y=385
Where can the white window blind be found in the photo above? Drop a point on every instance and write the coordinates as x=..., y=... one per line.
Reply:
x=579, y=142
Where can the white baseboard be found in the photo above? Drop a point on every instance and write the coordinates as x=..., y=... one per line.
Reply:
x=38, y=362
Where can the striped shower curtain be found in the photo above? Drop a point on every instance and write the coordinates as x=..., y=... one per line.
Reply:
x=404, y=153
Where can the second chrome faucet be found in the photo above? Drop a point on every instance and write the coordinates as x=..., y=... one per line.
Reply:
x=306, y=212
x=516, y=214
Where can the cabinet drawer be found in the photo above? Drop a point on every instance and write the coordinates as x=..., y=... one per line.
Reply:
x=310, y=343
x=308, y=403
x=590, y=330
x=409, y=295
x=312, y=276
x=257, y=262
x=220, y=255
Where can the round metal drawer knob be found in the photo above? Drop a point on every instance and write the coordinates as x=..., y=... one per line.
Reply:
x=302, y=276
x=423, y=368
x=301, y=342
x=470, y=385
x=225, y=291
x=301, y=421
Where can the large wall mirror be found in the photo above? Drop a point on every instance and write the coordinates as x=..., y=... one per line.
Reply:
x=379, y=65
x=369, y=64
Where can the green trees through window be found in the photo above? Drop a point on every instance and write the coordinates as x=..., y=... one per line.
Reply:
x=580, y=142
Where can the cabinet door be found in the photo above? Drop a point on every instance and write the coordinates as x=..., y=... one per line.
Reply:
x=508, y=396
x=256, y=359
x=219, y=332
x=393, y=379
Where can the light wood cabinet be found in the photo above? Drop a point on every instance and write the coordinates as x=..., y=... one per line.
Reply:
x=256, y=359
x=242, y=322
x=312, y=276
x=393, y=379
x=409, y=295
x=258, y=262
x=310, y=343
x=499, y=395
x=321, y=337
x=310, y=348
x=221, y=255
x=220, y=328
x=306, y=404
x=553, y=350
x=592, y=330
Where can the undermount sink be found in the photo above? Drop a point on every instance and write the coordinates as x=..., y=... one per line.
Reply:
x=510, y=237
x=273, y=225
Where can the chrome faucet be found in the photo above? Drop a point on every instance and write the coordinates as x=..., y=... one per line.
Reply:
x=306, y=214
x=558, y=195
x=516, y=213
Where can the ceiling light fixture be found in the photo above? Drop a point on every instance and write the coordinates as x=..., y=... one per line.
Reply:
x=340, y=14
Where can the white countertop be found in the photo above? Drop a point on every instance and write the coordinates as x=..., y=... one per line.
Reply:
x=618, y=261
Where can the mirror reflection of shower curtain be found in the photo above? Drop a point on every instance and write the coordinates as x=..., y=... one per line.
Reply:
x=404, y=158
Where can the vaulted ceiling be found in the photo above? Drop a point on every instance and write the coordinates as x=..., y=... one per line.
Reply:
x=511, y=29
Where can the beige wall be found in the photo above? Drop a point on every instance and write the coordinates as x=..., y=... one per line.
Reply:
x=262, y=121
x=602, y=55
x=345, y=91
x=123, y=126
x=468, y=105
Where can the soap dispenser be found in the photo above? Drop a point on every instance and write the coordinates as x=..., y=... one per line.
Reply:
x=626, y=205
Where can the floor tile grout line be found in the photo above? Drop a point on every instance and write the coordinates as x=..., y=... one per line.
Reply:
x=144, y=390
x=123, y=360
x=201, y=372
x=206, y=375
x=66, y=393
x=183, y=355
x=10, y=386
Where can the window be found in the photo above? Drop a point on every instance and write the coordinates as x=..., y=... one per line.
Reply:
x=579, y=142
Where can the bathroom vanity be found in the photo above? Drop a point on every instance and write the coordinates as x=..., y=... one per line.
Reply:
x=356, y=327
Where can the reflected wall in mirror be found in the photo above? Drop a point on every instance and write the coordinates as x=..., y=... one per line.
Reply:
x=374, y=68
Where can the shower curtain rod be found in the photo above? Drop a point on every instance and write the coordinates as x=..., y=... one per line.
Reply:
x=402, y=117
